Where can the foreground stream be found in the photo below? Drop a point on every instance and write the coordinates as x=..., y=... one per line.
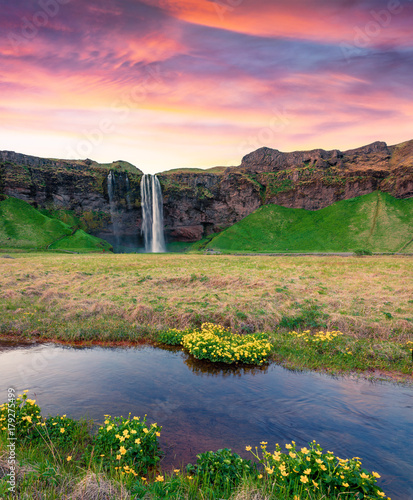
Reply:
x=203, y=407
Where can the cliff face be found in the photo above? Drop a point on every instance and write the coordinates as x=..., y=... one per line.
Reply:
x=80, y=187
x=197, y=203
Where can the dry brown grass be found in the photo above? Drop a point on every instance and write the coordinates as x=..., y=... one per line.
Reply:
x=97, y=487
x=149, y=291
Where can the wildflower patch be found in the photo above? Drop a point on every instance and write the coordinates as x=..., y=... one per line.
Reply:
x=127, y=442
x=217, y=344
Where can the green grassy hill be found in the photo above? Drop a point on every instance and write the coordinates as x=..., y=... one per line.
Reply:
x=24, y=227
x=376, y=222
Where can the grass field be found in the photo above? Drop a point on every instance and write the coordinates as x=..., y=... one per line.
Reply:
x=110, y=297
x=376, y=222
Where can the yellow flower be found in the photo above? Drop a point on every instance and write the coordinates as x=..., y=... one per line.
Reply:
x=121, y=439
x=323, y=467
x=315, y=484
x=177, y=471
x=345, y=485
x=305, y=451
x=62, y=431
x=30, y=401
x=145, y=430
x=292, y=455
x=158, y=434
x=380, y=493
x=133, y=431
x=307, y=471
x=288, y=446
x=189, y=477
x=69, y=458
x=283, y=473
x=259, y=476
x=106, y=422
x=159, y=479
x=296, y=497
x=304, y=479
x=364, y=476
x=375, y=474
x=137, y=441
x=122, y=450
x=109, y=428
x=29, y=419
x=248, y=448
x=118, y=457
x=269, y=471
x=125, y=432
x=143, y=478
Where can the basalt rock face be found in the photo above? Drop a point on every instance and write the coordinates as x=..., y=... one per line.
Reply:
x=199, y=203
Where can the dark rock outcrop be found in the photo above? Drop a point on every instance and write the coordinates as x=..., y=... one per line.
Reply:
x=199, y=203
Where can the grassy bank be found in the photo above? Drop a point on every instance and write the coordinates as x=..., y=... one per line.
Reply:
x=24, y=227
x=118, y=298
x=376, y=222
x=56, y=457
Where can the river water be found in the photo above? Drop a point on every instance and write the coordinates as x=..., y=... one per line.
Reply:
x=204, y=407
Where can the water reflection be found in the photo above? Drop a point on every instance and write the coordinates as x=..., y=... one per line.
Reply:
x=206, y=408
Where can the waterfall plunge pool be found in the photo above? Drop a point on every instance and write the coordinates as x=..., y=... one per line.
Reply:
x=203, y=407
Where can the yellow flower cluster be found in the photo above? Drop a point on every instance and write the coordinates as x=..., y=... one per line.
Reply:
x=317, y=470
x=317, y=337
x=216, y=343
x=130, y=441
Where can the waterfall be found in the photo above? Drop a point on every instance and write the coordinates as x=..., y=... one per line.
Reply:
x=152, y=214
x=128, y=202
x=112, y=206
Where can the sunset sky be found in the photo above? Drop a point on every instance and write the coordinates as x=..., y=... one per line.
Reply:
x=198, y=83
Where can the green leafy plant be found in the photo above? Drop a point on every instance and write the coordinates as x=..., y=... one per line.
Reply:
x=221, y=467
x=216, y=343
x=24, y=414
x=173, y=336
x=313, y=470
x=127, y=442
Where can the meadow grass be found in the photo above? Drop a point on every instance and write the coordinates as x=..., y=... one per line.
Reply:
x=135, y=297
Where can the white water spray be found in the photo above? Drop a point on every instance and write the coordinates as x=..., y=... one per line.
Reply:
x=152, y=214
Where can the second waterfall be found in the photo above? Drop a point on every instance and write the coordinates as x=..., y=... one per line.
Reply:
x=152, y=214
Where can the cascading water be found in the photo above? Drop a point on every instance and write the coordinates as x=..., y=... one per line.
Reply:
x=112, y=206
x=152, y=214
x=128, y=202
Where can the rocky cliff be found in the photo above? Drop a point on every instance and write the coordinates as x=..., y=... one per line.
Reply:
x=198, y=202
